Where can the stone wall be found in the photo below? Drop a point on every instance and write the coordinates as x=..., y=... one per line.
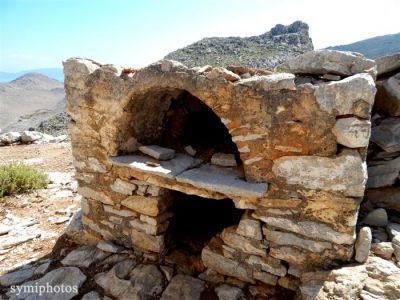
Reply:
x=301, y=136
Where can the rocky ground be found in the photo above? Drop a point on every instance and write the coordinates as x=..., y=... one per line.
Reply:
x=261, y=52
x=35, y=251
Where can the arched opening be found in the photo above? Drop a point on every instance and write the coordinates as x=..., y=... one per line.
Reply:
x=196, y=220
x=176, y=119
x=189, y=122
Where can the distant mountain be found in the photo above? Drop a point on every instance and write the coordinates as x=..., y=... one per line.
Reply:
x=55, y=73
x=28, y=100
x=264, y=51
x=374, y=47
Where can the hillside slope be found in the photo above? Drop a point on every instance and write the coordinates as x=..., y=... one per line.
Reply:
x=374, y=47
x=264, y=51
x=54, y=73
x=28, y=100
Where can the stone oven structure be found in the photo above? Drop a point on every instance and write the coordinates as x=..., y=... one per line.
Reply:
x=257, y=175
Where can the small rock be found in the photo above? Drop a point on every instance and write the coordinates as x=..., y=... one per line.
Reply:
x=76, y=232
x=228, y=292
x=84, y=256
x=190, y=150
x=168, y=272
x=383, y=173
x=377, y=217
x=363, y=244
x=30, y=136
x=93, y=295
x=109, y=246
x=249, y=227
x=158, y=152
x=183, y=287
x=331, y=77
x=116, y=287
x=219, y=72
x=4, y=229
x=148, y=279
x=68, y=277
x=224, y=160
x=124, y=268
x=383, y=249
x=10, y=138
x=16, y=277
x=114, y=259
x=59, y=220
x=123, y=187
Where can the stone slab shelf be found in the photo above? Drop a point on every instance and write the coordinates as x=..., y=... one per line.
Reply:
x=183, y=172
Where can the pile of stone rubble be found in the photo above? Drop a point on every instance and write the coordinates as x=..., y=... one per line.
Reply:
x=29, y=137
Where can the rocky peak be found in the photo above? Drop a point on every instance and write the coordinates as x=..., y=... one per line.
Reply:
x=264, y=51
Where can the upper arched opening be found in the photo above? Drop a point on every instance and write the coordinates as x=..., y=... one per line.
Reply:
x=174, y=118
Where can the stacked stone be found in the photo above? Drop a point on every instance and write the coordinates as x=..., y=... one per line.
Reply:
x=140, y=220
x=383, y=186
x=384, y=151
x=305, y=133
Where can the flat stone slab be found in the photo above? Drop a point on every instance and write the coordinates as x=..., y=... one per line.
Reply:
x=168, y=169
x=183, y=287
x=158, y=152
x=222, y=180
x=84, y=256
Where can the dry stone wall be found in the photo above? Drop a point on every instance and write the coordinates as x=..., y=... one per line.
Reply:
x=299, y=137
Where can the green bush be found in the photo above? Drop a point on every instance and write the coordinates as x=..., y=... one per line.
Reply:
x=19, y=178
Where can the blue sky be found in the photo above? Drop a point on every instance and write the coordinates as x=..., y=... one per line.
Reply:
x=42, y=33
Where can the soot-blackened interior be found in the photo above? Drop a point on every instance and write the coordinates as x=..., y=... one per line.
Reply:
x=189, y=122
x=196, y=220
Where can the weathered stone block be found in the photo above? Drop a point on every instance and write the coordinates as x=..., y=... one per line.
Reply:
x=123, y=187
x=251, y=246
x=148, y=228
x=345, y=173
x=290, y=239
x=352, y=132
x=351, y=96
x=363, y=244
x=152, y=206
x=268, y=264
x=223, y=265
x=95, y=195
x=158, y=152
x=148, y=242
x=249, y=227
x=308, y=228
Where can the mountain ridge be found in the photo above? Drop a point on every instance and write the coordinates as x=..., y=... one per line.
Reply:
x=54, y=73
x=264, y=51
x=28, y=100
x=373, y=47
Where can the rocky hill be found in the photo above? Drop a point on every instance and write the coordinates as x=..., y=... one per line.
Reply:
x=28, y=100
x=374, y=47
x=264, y=51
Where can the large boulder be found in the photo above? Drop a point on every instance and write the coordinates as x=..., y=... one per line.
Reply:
x=387, y=135
x=387, y=64
x=388, y=96
x=321, y=62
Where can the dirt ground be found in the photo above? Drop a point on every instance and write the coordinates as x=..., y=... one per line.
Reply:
x=41, y=214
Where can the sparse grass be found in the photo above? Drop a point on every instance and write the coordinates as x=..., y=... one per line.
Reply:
x=18, y=178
